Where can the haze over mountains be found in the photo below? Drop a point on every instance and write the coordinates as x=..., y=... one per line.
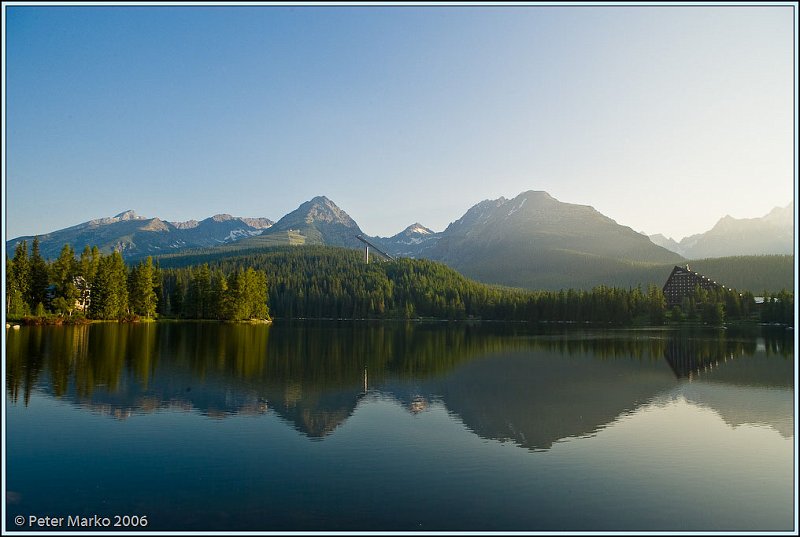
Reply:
x=532, y=240
x=528, y=240
x=770, y=234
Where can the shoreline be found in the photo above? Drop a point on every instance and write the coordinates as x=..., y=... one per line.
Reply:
x=78, y=321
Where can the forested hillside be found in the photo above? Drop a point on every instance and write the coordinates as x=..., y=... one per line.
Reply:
x=329, y=282
x=324, y=282
x=756, y=273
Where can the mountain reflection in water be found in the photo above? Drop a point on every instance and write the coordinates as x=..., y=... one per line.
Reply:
x=504, y=382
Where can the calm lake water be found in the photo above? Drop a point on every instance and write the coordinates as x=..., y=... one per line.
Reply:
x=397, y=427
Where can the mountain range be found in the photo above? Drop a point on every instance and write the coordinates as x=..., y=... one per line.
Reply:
x=532, y=240
x=135, y=236
x=770, y=234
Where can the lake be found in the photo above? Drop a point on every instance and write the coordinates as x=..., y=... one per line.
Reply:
x=359, y=426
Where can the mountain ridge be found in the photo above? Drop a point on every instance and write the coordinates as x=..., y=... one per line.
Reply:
x=770, y=234
x=138, y=236
x=531, y=240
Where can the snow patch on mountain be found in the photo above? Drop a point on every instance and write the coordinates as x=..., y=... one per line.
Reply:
x=238, y=234
x=418, y=228
x=125, y=215
x=517, y=207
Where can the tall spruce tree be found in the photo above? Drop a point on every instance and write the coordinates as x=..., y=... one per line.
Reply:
x=87, y=270
x=63, y=272
x=18, y=281
x=110, y=289
x=142, y=293
x=38, y=278
x=220, y=299
x=247, y=295
x=15, y=299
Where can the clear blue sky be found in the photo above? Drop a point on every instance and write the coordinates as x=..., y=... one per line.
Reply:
x=663, y=118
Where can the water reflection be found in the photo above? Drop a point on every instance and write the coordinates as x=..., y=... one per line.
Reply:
x=504, y=382
x=696, y=357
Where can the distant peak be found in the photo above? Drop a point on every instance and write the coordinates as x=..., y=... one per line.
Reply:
x=659, y=236
x=418, y=228
x=536, y=194
x=127, y=215
x=320, y=202
x=189, y=224
x=318, y=209
x=778, y=212
x=156, y=224
x=725, y=221
x=221, y=217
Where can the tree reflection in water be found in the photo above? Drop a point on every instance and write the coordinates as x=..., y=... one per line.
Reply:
x=505, y=381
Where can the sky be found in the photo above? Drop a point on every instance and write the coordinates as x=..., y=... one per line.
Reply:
x=664, y=118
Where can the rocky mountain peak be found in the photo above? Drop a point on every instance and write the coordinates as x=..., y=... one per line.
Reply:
x=417, y=229
x=535, y=195
x=258, y=223
x=189, y=224
x=321, y=209
x=317, y=221
x=155, y=224
x=127, y=215
x=781, y=214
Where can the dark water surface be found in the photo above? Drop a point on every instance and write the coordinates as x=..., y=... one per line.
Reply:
x=398, y=427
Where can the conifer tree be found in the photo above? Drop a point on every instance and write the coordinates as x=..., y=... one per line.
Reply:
x=142, y=291
x=219, y=295
x=656, y=305
x=15, y=300
x=38, y=277
x=247, y=292
x=176, y=297
x=21, y=274
x=109, y=289
x=62, y=273
x=87, y=270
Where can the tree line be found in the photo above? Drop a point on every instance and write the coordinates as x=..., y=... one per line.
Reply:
x=97, y=286
x=327, y=282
